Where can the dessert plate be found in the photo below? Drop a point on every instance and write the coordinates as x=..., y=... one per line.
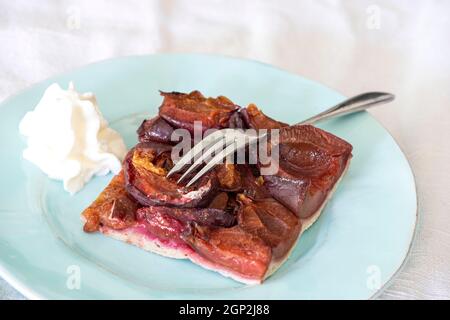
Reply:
x=351, y=252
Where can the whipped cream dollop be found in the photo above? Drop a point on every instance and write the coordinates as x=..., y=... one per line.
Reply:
x=68, y=138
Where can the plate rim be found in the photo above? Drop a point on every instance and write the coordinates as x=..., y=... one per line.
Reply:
x=31, y=294
x=415, y=228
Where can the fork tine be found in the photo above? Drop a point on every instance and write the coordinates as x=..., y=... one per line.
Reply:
x=196, y=150
x=217, y=146
x=231, y=148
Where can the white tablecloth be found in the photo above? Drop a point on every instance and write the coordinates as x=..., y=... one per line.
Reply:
x=353, y=46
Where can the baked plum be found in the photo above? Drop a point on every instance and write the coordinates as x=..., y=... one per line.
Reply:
x=146, y=167
x=181, y=110
x=202, y=216
x=252, y=183
x=156, y=130
x=232, y=248
x=113, y=208
x=276, y=225
x=311, y=162
x=237, y=120
x=161, y=225
x=255, y=119
x=229, y=177
x=220, y=201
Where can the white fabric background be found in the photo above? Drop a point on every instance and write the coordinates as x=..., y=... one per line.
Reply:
x=339, y=43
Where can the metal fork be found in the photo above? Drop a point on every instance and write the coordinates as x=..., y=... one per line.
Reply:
x=226, y=142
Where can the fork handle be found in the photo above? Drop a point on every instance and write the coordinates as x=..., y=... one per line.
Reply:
x=355, y=104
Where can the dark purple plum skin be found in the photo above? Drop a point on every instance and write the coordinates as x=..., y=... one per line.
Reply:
x=268, y=219
x=311, y=162
x=202, y=216
x=157, y=130
x=150, y=189
x=291, y=192
x=253, y=118
x=237, y=121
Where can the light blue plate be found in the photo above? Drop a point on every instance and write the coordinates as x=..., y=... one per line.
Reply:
x=352, y=251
